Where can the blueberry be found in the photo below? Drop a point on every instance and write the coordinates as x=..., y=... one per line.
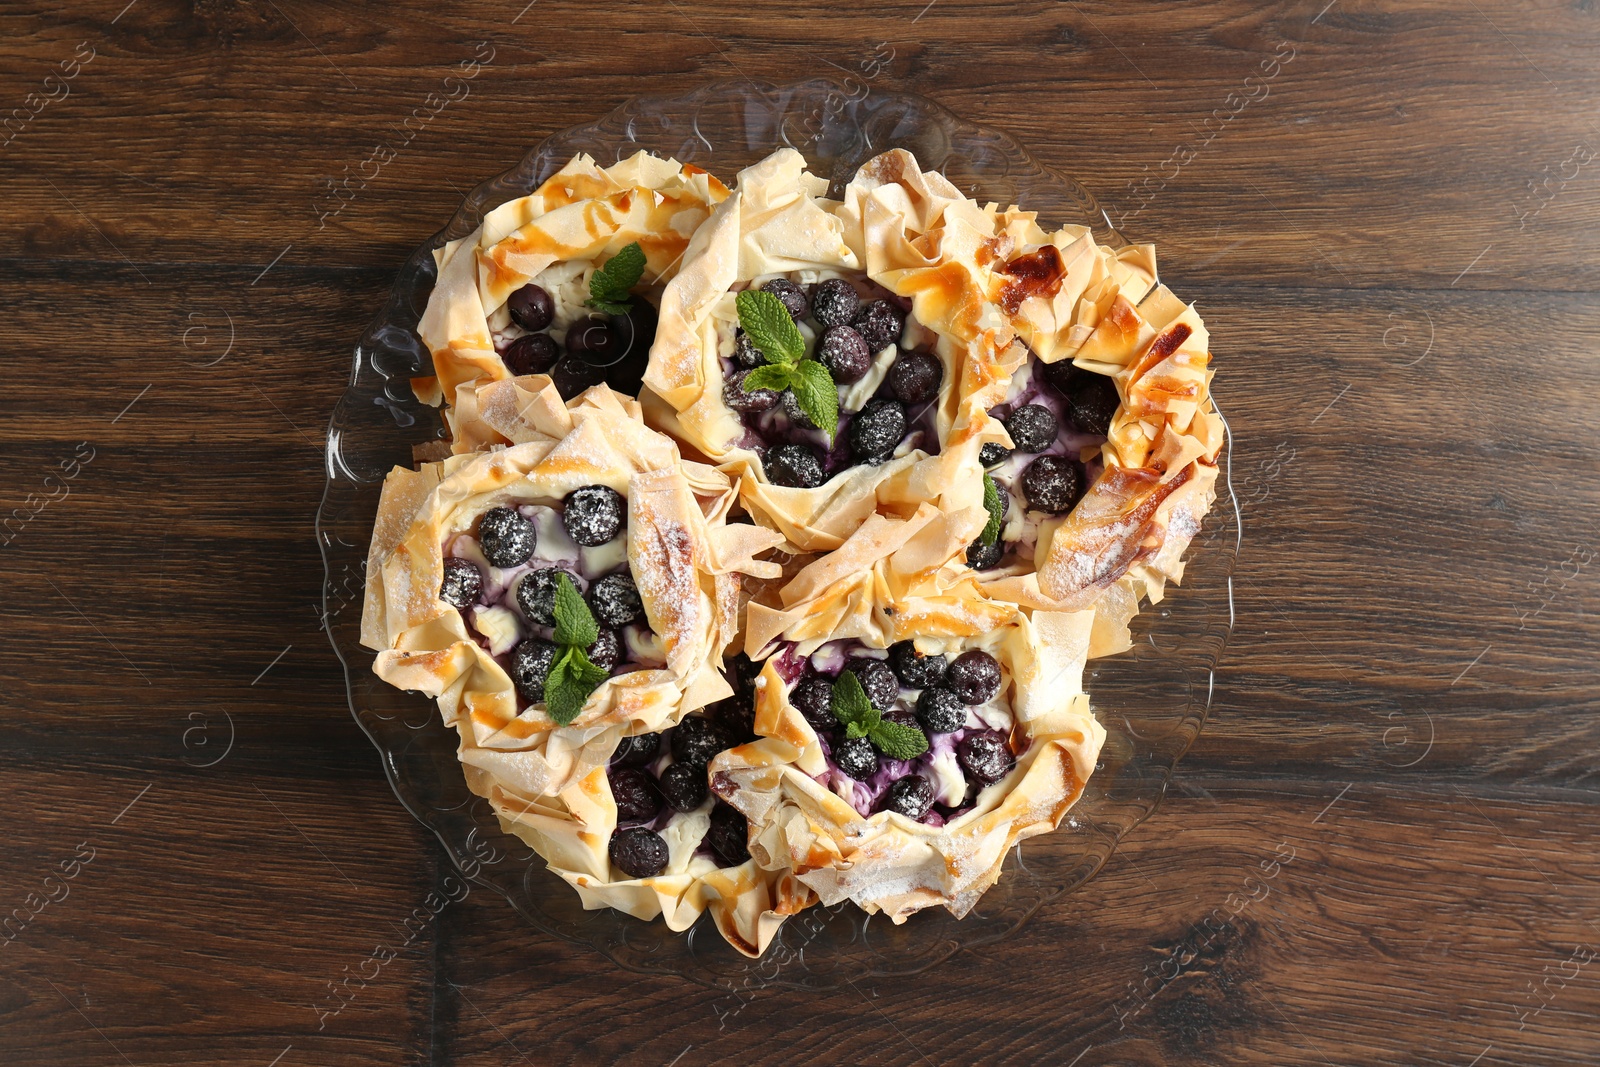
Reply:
x=507, y=539
x=1052, y=484
x=1091, y=398
x=795, y=466
x=635, y=794
x=530, y=666
x=1032, y=428
x=812, y=696
x=940, y=711
x=797, y=415
x=834, y=302
x=876, y=431
x=536, y=594
x=746, y=401
x=985, y=756
x=789, y=294
x=974, y=677
x=684, y=786
x=742, y=672
x=910, y=796
x=737, y=716
x=880, y=324
x=879, y=682
x=729, y=835
x=915, y=670
x=856, y=757
x=614, y=599
x=637, y=331
x=844, y=353
x=532, y=353
x=638, y=750
x=531, y=307
x=639, y=852
x=696, y=739
x=606, y=652
x=915, y=377
x=992, y=454
x=572, y=376
x=593, y=514
x=462, y=583
x=594, y=340
x=745, y=352
x=982, y=557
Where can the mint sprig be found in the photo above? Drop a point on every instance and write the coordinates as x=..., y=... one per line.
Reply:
x=609, y=285
x=860, y=719
x=770, y=326
x=771, y=329
x=991, y=504
x=572, y=676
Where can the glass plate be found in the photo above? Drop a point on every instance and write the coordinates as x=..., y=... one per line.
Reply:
x=1152, y=699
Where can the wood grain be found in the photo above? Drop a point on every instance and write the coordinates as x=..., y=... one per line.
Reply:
x=1394, y=243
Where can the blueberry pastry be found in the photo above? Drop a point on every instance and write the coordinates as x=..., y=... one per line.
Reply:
x=910, y=730
x=782, y=357
x=563, y=282
x=558, y=594
x=645, y=834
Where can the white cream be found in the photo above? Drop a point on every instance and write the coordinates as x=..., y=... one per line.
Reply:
x=854, y=397
x=499, y=626
x=949, y=786
x=552, y=542
x=603, y=559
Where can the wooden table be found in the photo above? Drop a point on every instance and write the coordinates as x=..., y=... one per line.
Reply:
x=1395, y=238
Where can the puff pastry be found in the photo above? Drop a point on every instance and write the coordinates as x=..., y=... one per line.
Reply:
x=553, y=239
x=1010, y=745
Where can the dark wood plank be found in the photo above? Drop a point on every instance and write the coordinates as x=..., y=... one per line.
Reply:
x=1339, y=955
x=201, y=916
x=1322, y=173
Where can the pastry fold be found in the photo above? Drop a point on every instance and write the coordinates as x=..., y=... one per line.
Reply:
x=897, y=580
x=685, y=559
x=556, y=235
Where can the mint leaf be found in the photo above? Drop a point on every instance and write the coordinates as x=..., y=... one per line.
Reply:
x=856, y=729
x=586, y=672
x=850, y=703
x=897, y=741
x=769, y=326
x=575, y=623
x=609, y=285
x=776, y=376
x=991, y=503
x=815, y=392
x=572, y=679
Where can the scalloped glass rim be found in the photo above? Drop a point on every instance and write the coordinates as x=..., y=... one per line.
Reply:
x=1152, y=699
